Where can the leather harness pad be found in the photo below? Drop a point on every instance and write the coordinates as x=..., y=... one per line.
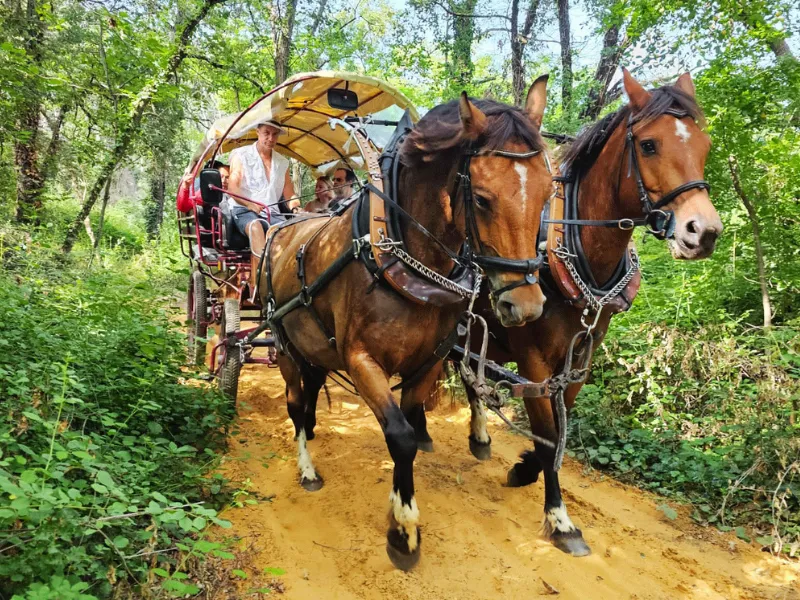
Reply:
x=379, y=221
x=560, y=274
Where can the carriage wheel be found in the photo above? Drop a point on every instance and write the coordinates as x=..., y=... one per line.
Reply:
x=197, y=311
x=232, y=361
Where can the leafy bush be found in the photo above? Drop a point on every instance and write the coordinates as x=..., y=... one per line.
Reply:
x=104, y=442
x=708, y=414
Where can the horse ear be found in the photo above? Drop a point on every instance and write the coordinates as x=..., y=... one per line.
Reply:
x=473, y=120
x=536, y=100
x=685, y=84
x=639, y=96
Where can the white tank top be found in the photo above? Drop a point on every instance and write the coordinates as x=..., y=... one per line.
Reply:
x=255, y=183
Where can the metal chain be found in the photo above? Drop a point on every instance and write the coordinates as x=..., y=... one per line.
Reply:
x=595, y=303
x=391, y=247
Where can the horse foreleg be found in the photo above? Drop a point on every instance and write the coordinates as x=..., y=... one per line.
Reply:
x=558, y=527
x=412, y=403
x=403, y=536
x=296, y=404
x=480, y=444
x=313, y=380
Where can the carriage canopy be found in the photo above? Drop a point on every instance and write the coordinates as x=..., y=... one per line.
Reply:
x=301, y=106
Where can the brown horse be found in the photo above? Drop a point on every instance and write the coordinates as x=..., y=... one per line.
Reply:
x=651, y=148
x=472, y=171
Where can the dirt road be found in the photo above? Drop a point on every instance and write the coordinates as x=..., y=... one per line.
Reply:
x=480, y=540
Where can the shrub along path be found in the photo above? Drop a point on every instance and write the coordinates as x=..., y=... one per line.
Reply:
x=480, y=539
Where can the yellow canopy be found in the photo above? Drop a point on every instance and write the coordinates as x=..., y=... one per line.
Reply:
x=301, y=106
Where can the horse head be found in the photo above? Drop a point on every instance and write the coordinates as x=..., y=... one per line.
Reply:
x=669, y=150
x=498, y=181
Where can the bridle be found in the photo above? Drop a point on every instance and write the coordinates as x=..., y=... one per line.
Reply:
x=474, y=249
x=659, y=222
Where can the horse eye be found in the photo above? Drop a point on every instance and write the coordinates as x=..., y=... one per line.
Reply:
x=481, y=202
x=648, y=147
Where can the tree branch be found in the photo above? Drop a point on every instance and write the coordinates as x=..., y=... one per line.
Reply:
x=751, y=213
x=469, y=15
x=228, y=69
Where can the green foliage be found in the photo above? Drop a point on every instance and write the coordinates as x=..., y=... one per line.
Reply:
x=104, y=448
x=688, y=401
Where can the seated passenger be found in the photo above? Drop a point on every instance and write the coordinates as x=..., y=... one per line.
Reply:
x=184, y=201
x=261, y=174
x=323, y=194
x=343, y=180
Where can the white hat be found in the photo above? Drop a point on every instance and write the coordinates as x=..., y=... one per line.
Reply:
x=274, y=124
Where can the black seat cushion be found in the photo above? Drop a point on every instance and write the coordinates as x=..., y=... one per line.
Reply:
x=232, y=238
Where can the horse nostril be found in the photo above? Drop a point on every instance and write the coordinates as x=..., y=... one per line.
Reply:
x=508, y=310
x=709, y=238
x=691, y=227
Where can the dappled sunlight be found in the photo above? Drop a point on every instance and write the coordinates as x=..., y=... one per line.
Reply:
x=480, y=539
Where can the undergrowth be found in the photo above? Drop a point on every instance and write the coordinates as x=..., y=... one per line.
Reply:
x=690, y=398
x=105, y=443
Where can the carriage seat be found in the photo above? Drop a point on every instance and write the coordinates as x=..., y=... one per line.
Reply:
x=232, y=238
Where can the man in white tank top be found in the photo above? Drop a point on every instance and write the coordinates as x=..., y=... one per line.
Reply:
x=259, y=173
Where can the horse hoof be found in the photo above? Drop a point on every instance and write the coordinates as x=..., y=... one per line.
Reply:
x=310, y=435
x=480, y=450
x=397, y=549
x=425, y=446
x=571, y=542
x=312, y=485
x=520, y=476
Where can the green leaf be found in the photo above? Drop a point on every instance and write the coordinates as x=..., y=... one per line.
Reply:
x=239, y=573
x=742, y=534
x=274, y=571
x=160, y=572
x=121, y=542
x=104, y=478
x=765, y=540
x=668, y=511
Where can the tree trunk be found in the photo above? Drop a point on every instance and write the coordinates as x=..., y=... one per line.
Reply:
x=781, y=48
x=282, y=30
x=102, y=221
x=26, y=160
x=566, y=55
x=158, y=185
x=517, y=69
x=461, y=67
x=518, y=42
x=128, y=131
x=751, y=213
x=606, y=67
x=31, y=28
x=319, y=14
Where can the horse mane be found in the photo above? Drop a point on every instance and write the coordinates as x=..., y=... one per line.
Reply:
x=440, y=132
x=587, y=147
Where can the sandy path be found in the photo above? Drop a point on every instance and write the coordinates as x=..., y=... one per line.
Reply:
x=479, y=540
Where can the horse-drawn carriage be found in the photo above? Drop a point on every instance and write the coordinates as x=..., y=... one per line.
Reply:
x=385, y=284
x=314, y=109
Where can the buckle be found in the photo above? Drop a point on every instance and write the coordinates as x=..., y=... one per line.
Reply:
x=626, y=224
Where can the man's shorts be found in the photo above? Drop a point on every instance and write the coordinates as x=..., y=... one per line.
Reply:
x=242, y=217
